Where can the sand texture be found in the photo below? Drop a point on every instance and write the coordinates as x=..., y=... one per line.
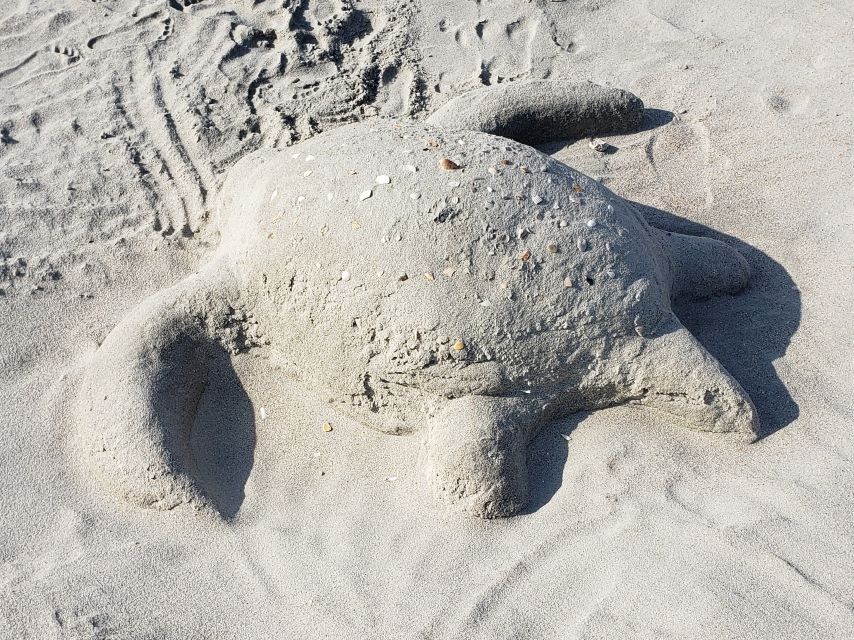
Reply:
x=279, y=314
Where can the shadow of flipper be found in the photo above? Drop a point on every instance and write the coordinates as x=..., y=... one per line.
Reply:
x=223, y=439
x=747, y=332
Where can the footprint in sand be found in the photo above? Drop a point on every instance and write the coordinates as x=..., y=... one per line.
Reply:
x=54, y=58
x=135, y=31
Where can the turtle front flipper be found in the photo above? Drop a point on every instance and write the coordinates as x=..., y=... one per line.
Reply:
x=537, y=111
x=675, y=374
x=702, y=267
x=140, y=392
x=473, y=457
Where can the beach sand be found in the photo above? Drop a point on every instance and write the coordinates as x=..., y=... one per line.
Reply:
x=118, y=122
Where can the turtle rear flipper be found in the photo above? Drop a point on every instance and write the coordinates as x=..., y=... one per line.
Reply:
x=537, y=111
x=701, y=267
x=140, y=393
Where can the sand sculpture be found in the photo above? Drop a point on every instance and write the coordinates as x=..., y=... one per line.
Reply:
x=438, y=277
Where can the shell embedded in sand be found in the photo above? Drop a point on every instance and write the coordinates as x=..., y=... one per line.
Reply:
x=599, y=145
x=448, y=165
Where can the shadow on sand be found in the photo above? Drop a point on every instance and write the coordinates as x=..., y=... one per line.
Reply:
x=223, y=438
x=746, y=332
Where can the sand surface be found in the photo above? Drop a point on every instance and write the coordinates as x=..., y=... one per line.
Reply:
x=118, y=121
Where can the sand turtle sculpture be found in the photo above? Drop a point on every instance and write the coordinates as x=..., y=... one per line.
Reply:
x=439, y=277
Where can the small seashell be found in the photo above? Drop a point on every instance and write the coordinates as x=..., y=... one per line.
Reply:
x=536, y=199
x=355, y=224
x=402, y=277
x=309, y=158
x=275, y=193
x=365, y=195
x=295, y=155
x=383, y=179
x=591, y=223
x=453, y=183
x=521, y=233
x=562, y=223
x=429, y=276
x=577, y=188
x=414, y=196
x=448, y=165
x=505, y=161
x=345, y=276
x=485, y=303
x=327, y=427
x=526, y=255
x=306, y=173
x=459, y=345
x=598, y=145
x=493, y=171
x=568, y=283
x=610, y=273
x=552, y=247
x=263, y=413
x=410, y=167
x=448, y=271
x=582, y=244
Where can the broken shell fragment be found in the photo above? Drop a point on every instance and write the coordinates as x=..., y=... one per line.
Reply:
x=552, y=247
x=598, y=145
x=365, y=195
x=459, y=345
x=448, y=165
x=383, y=179
x=526, y=255
x=327, y=427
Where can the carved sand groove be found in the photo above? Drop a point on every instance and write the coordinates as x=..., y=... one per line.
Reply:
x=181, y=166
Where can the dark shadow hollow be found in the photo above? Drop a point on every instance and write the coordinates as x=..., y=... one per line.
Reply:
x=652, y=119
x=746, y=332
x=222, y=441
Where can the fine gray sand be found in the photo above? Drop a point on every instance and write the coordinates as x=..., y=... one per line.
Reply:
x=118, y=125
